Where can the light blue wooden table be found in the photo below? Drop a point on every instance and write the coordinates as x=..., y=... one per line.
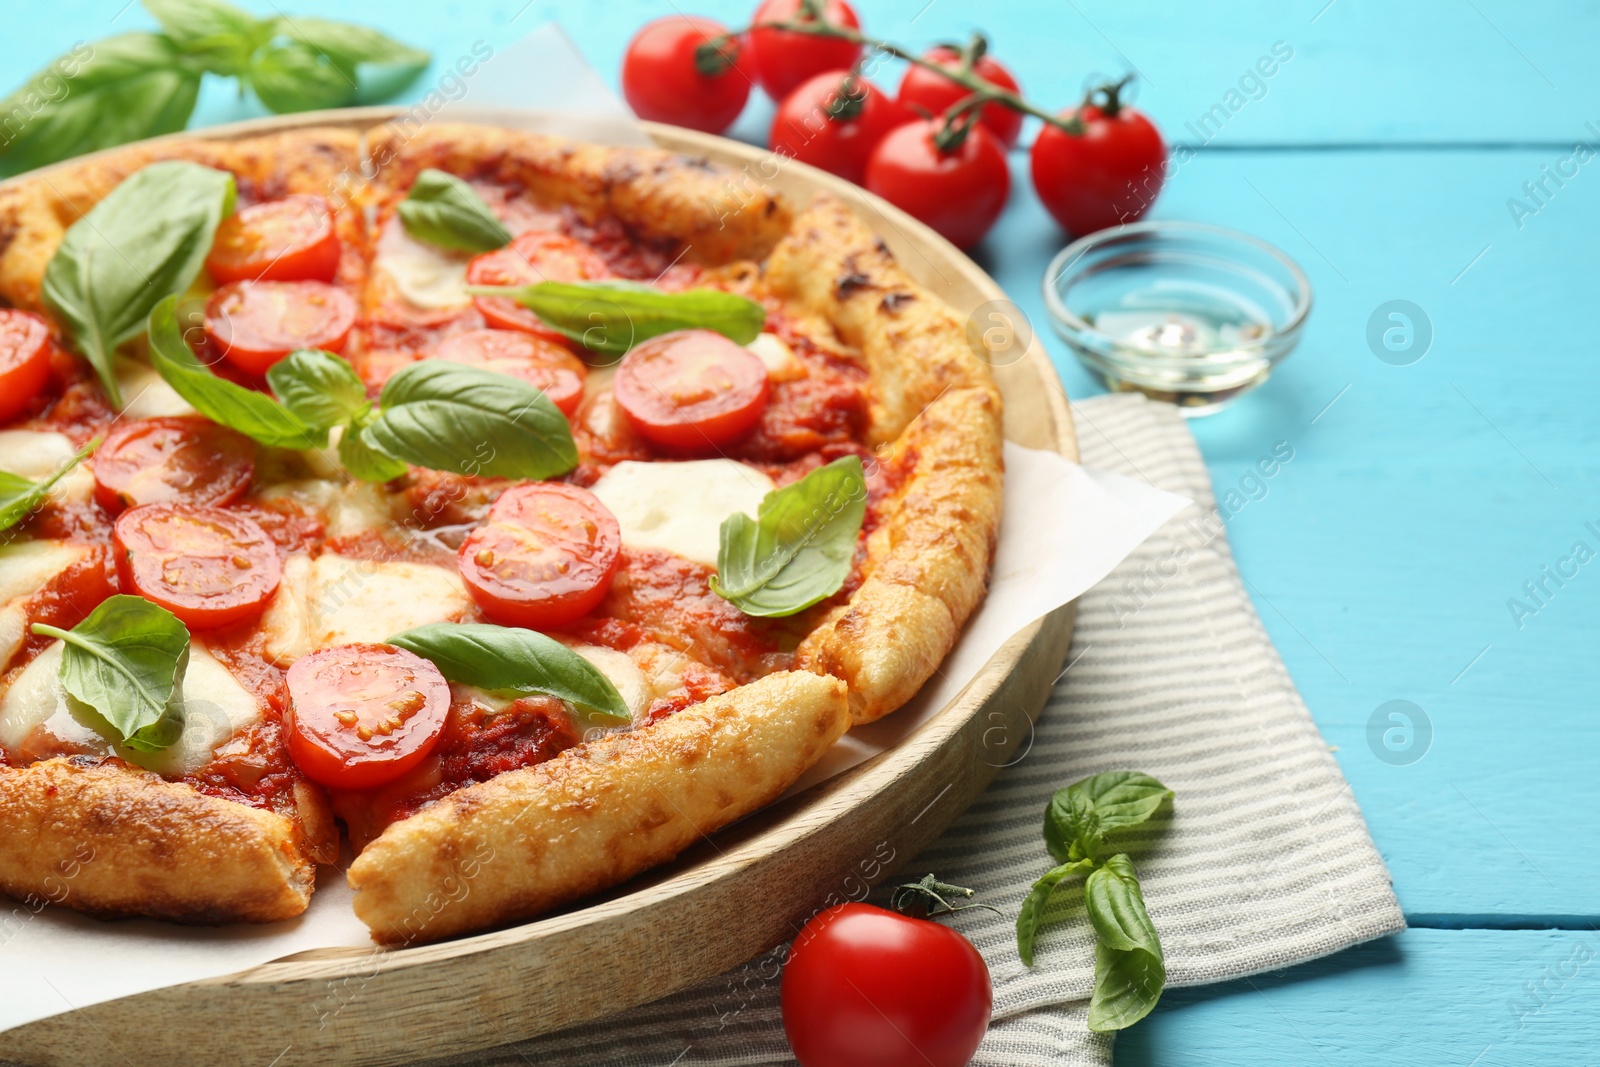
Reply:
x=1421, y=498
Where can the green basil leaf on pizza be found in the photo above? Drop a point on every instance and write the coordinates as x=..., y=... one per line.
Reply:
x=509, y=659
x=319, y=388
x=612, y=316
x=125, y=660
x=21, y=497
x=799, y=548
x=444, y=210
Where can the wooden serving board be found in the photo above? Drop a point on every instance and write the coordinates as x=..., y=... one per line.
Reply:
x=721, y=903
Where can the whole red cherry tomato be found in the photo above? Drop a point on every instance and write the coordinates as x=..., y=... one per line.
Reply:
x=1109, y=175
x=959, y=191
x=923, y=90
x=663, y=83
x=834, y=121
x=865, y=987
x=782, y=59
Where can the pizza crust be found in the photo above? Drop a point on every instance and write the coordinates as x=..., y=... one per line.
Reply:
x=596, y=815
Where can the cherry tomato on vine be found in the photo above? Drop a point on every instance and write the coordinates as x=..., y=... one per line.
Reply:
x=782, y=59
x=834, y=122
x=1109, y=175
x=867, y=986
x=959, y=191
x=663, y=83
x=923, y=90
x=24, y=360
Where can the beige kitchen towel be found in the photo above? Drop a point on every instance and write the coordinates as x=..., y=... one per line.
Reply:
x=1262, y=862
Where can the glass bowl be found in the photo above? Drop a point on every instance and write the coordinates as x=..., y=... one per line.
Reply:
x=1191, y=314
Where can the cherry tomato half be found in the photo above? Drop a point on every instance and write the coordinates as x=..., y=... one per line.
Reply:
x=182, y=459
x=1109, y=175
x=782, y=59
x=208, y=566
x=24, y=360
x=258, y=323
x=867, y=986
x=363, y=715
x=691, y=389
x=834, y=124
x=923, y=90
x=545, y=557
x=663, y=84
x=288, y=240
x=959, y=193
x=543, y=364
x=536, y=256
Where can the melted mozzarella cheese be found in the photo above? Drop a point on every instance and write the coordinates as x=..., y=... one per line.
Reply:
x=679, y=507
x=37, y=454
x=38, y=719
x=779, y=358
x=25, y=568
x=347, y=509
x=145, y=394
x=424, y=275
x=332, y=600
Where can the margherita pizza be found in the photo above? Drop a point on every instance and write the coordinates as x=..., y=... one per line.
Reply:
x=519, y=510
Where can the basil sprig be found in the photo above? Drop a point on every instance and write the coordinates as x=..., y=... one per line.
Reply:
x=454, y=417
x=799, y=548
x=613, y=316
x=138, y=85
x=145, y=241
x=21, y=497
x=125, y=661
x=509, y=659
x=1130, y=970
x=443, y=210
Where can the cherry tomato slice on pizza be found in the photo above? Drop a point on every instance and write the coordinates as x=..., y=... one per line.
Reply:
x=536, y=256
x=546, y=556
x=181, y=459
x=255, y=324
x=363, y=715
x=24, y=360
x=288, y=240
x=543, y=364
x=208, y=566
x=691, y=390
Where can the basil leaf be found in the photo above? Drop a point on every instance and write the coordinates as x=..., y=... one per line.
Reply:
x=378, y=66
x=1031, y=917
x=454, y=417
x=145, y=241
x=20, y=497
x=612, y=317
x=1081, y=814
x=1130, y=970
x=217, y=35
x=362, y=461
x=511, y=659
x=291, y=76
x=319, y=388
x=799, y=548
x=443, y=210
x=121, y=89
x=1071, y=830
x=256, y=415
x=125, y=660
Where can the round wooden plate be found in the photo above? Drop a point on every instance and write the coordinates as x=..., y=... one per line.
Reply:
x=721, y=903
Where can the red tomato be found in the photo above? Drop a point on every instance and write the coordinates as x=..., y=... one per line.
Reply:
x=1108, y=176
x=545, y=557
x=363, y=715
x=258, y=323
x=959, y=193
x=663, y=84
x=823, y=125
x=782, y=59
x=288, y=240
x=691, y=389
x=24, y=360
x=864, y=986
x=543, y=364
x=923, y=90
x=207, y=566
x=183, y=459
x=536, y=256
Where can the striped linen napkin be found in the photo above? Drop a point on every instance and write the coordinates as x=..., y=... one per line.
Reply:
x=1263, y=861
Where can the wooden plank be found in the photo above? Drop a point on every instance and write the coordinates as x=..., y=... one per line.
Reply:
x=1469, y=998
